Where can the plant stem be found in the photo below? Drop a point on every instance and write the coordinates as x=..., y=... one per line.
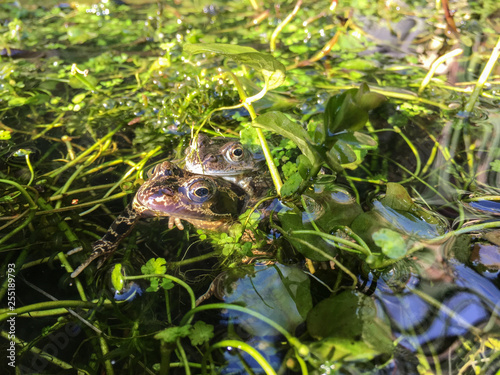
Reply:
x=56, y=361
x=83, y=154
x=282, y=25
x=436, y=65
x=168, y=277
x=46, y=306
x=241, y=346
x=469, y=107
x=262, y=139
x=364, y=250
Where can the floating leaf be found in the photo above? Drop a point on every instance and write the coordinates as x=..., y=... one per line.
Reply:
x=349, y=110
x=273, y=71
x=397, y=197
x=392, y=243
x=351, y=316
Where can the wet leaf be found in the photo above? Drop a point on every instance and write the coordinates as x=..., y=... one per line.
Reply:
x=279, y=292
x=349, y=110
x=349, y=316
x=392, y=243
x=397, y=197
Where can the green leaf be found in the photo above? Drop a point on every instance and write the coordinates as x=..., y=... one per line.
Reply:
x=291, y=185
x=349, y=110
x=495, y=165
x=281, y=124
x=201, y=333
x=79, y=97
x=281, y=293
x=273, y=71
x=349, y=316
x=170, y=335
x=392, y=243
x=397, y=197
x=4, y=135
x=167, y=284
x=154, y=266
x=304, y=166
x=117, y=278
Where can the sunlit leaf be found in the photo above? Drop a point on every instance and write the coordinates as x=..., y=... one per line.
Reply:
x=349, y=110
x=291, y=185
x=273, y=71
x=281, y=124
x=4, y=135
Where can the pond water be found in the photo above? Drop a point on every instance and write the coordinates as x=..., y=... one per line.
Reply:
x=367, y=244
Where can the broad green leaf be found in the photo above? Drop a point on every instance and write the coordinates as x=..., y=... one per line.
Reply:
x=281, y=124
x=344, y=152
x=349, y=110
x=304, y=166
x=201, y=333
x=397, y=197
x=273, y=71
x=154, y=266
x=392, y=243
x=281, y=293
x=349, y=316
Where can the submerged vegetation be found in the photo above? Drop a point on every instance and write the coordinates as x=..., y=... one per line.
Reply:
x=375, y=251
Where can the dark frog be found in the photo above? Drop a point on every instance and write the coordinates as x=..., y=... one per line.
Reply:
x=206, y=202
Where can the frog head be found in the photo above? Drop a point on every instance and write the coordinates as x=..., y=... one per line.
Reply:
x=205, y=201
x=219, y=156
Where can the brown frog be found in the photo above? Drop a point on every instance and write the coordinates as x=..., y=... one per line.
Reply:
x=206, y=202
x=229, y=159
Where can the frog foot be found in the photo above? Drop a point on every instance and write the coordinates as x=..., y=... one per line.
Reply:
x=175, y=221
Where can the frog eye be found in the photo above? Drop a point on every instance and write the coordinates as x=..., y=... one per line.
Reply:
x=200, y=191
x=235, y=153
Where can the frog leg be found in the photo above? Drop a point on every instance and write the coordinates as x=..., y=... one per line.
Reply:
x=107, y=245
